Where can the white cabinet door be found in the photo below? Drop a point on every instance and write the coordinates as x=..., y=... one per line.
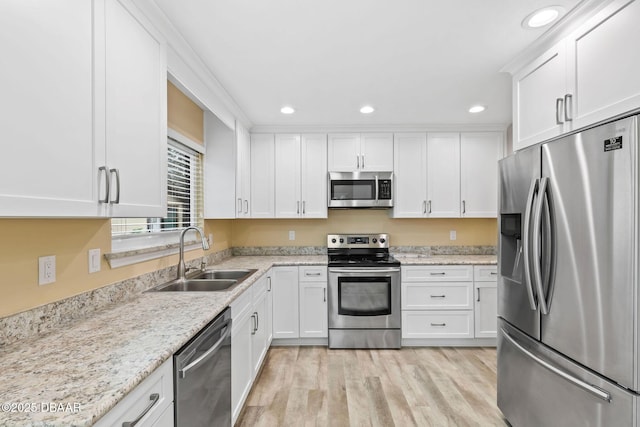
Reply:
x=313, y=309
x=536, y=90
x=314, y=175
x=344, y=152
x=262, y=176
x=410, y=175
x=376, y=152
x=288, y=203
x=443, y=175
x=604, y=71
x=241, y=361
x=259, y=335
x=285, y=302
x=486, y=309
x=479, y=155
x=243, y=172
x=48, y=164
x=136, y=112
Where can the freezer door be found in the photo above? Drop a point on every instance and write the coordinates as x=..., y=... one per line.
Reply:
x=519, y=174
x=590, y=293
x=538, y=387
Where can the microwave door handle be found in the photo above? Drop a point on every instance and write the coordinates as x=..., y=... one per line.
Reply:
x=526, y=244
x=377, y=195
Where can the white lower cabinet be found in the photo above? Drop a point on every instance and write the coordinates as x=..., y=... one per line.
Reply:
x=449, y=302
x=486, y=301
x=136, y=405
x=249, y=340
x=313, y=302
x=285, y=302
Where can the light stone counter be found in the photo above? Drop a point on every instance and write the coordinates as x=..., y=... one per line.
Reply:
x=95, y=362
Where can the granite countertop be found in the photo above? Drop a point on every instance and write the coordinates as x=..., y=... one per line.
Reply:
x=95, y=362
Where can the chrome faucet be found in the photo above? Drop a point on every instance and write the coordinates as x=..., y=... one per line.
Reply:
x=182, y=270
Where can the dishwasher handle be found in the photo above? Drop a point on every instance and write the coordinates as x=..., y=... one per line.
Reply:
x=182, y=373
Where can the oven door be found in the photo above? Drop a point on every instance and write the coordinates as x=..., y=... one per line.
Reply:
x=364, y=298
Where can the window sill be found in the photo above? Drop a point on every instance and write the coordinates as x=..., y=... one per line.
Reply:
x=121, y=259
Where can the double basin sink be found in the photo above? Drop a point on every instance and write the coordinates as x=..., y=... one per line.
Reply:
x=206, y=281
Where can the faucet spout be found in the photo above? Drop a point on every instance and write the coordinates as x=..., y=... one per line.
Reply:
x=182, y=270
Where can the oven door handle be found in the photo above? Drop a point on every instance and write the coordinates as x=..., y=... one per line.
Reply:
x=365, y=271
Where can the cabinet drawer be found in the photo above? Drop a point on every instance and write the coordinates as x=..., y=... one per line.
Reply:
x=241, y=305
x=259, y=288
x=160, y=382
x=437, y=324
x=312, y=273
x=437, y=273
x=485, y=273
x=442, y=296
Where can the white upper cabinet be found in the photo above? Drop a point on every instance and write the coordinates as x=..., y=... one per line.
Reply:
x=301, y=176
x=603, y=71
x=48, y=163
x=446, y=175
x=587, y=77
x=443, y=175
x=360, y=152
x=136, y=113
x=262, y=176
x=479, y=155
x=539, y=92
x=243, y=172
x=86, y=106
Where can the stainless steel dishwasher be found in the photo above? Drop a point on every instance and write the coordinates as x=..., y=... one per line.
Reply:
x=202, y=376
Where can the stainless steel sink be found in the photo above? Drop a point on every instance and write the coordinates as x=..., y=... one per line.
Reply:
x=196, y=285
x=206, y=281
x=223, y=274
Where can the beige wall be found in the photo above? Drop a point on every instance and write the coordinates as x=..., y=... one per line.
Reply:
x=404, y=232
x=183, y=115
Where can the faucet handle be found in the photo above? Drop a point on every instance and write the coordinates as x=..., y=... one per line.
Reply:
x=203, y=265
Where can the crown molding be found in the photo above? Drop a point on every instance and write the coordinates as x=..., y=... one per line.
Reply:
x=418, y=127
x=565, y=26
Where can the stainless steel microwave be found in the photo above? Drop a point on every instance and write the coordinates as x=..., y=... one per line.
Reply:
x=360, y=189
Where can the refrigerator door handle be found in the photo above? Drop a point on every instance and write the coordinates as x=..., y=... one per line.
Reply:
x=590, y=388
x=537, y=230
x=526, y=244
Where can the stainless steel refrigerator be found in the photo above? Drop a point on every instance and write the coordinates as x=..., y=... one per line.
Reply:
x=568, y=296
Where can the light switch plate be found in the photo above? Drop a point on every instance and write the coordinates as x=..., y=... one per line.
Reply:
x=46, y=270
x=452, y=235
x=94, y=260
x=292, y=235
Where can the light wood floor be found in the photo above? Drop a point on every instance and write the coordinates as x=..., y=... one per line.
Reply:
x=315, y=386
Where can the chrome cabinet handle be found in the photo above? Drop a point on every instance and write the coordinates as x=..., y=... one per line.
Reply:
x=106, y=184
x=240, y=205
x=257, y=321
x=357, y=161
x=537, y=268
x=438, y=296
x=424, y=206
x=439, y=273
x=526, y=245
x=246, y=206
x=117, y=172
x=269, y=283
x=182, y=373
x=253, y=327
x=439, y=324
x=559, y=108
x=494, y=273
x=312, y=274
x=363, y=161
x=304, y=208
x=478, y=294
x=298, y=207
x=568, y=114
x=590, y=388
x=324, y=291
x=464, y=206
x=154, y=398
x=429, y=206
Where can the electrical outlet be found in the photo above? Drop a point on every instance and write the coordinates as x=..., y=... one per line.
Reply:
x=46, y=269
x=94, y=260
x=292, y=235
x=452, y=235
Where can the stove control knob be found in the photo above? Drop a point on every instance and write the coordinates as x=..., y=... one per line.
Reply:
x=333, y=240
x=341, y=240
x=375, y=240
x=382, y=240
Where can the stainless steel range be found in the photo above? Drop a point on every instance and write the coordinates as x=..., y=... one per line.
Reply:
x=364, y=292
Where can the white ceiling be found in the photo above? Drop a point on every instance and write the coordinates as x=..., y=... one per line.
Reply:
x=416, y=61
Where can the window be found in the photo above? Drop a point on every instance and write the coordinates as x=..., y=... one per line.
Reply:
x=184, y=204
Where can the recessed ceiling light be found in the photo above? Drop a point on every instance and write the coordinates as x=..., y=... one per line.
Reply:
x=542, y=17
x=477, y=109
x=287, y=110
x=367, y=109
